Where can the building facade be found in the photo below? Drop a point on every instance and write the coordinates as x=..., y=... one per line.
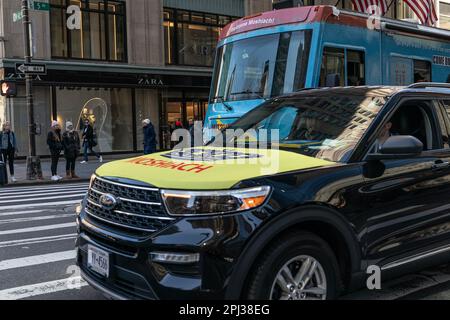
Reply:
x=115, y=63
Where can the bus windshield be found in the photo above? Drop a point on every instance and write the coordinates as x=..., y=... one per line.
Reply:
x=261, y=67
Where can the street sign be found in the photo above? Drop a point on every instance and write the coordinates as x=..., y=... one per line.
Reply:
x=33, y=69
x=17, y=16
x=41, y=6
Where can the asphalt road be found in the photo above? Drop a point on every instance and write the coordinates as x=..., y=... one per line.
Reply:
x=37, y=236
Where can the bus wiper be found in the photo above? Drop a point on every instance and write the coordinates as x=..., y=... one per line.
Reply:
x=258, y=94
x=220, y=100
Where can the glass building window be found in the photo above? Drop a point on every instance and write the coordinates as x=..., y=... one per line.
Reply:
x=191, y=37
x=102, y=35
x=444, y=15
x=108, y=110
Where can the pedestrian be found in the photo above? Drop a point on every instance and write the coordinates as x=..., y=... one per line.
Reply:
x=8, y=147
x=71, y=144
x=149, y=137
x=89, y=142
x=54, y=142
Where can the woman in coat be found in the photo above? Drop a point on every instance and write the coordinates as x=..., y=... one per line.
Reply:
x=8, y=148
x=71, y=145
x=54, y=142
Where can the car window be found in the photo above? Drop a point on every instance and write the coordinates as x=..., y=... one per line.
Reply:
x=444, y=123
x=326, y=127
x=446, y=105
x=412, y=118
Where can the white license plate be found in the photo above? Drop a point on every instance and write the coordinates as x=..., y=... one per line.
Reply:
x=98, y=261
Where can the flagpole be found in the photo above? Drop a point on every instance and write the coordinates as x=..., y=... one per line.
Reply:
x=389, y=6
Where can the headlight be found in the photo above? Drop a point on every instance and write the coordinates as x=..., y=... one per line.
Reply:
x=214, y=202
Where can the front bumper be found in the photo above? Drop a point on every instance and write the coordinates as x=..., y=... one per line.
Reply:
x=133, y=275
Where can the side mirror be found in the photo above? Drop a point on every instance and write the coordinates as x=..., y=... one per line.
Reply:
x=398, y=147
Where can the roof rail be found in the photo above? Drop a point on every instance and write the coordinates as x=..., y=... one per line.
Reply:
x=422, y=85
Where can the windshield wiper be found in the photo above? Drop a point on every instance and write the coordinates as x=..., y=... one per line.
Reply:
x=220, y=100
x=258, y=94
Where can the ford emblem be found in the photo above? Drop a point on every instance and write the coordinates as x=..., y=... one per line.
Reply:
x=108, y=201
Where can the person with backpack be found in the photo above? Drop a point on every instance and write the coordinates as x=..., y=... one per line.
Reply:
x=54, y=142
x=71, y=145
x=8, y=148
x=89, y=142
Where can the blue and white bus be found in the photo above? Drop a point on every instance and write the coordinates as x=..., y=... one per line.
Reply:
x=281, y=52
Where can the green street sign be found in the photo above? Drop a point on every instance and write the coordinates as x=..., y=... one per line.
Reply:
x=41, y=6
x=17, y=16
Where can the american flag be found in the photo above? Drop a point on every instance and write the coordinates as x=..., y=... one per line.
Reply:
x=425, y=10
x=378, y=7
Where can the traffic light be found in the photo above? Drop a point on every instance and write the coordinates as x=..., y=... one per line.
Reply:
x=8, y=88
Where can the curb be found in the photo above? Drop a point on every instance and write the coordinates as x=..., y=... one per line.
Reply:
x=41, y=183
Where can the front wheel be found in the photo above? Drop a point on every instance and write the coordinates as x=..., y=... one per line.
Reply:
x=299, y=266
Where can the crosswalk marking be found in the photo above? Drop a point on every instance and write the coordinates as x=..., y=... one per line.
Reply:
x=49, y=188
x=36, y=260
x=44, y=288
x=18, y=213
x=56, y=216
x=37, y=205
x=54, y=194
x=39, y=228
x=37, y=192
x=45, y=198
x=24, y=242
x=42, y=207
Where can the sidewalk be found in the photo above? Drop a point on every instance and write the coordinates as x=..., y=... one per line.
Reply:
x=84, y=171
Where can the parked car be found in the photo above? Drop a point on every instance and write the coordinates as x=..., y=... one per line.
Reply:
x=355, y=177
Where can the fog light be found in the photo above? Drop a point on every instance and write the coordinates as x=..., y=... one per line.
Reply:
x=175, y=258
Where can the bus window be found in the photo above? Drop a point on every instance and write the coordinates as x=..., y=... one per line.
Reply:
x=422, y=71
x=333, y=65
x=334, y=68
x=356, y=75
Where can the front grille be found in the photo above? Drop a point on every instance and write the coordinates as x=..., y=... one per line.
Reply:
x=138, y=208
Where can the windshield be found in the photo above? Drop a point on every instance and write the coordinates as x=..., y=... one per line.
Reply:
x=325, y=127
x=261, y=67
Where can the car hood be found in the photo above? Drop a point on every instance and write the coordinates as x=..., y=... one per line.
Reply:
x=207, y=168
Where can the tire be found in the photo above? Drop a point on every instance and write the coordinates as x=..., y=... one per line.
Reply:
x=295, y=250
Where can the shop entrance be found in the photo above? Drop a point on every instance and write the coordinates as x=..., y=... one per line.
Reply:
x=184, y=112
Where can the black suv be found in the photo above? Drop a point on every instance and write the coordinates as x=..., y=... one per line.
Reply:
x=345, y=179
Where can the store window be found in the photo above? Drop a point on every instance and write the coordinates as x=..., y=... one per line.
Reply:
x=17, y=114
x=191, y=37
x=108, y=109
x=341, y=67
x=101, y=35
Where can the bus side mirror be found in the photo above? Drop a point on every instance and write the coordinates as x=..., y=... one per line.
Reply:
x=333, y=80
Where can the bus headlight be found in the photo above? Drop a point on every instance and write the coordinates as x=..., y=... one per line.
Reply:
x=214, y=202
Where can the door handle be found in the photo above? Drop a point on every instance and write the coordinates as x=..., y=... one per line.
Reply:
x=439, y=165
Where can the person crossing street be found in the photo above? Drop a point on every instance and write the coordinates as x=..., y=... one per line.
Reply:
x=89, y=142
